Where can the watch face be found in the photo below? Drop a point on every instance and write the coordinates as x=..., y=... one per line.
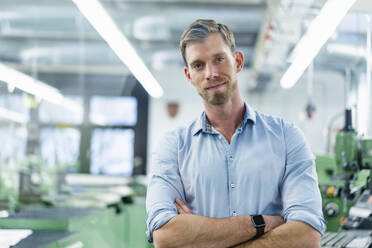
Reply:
x=258, y=220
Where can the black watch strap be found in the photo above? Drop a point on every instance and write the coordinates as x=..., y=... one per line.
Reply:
x=259, y=223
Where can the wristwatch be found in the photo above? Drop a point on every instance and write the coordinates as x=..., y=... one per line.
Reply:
x=259, y=223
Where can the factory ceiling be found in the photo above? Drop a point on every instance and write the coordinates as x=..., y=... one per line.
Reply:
x=52, y=41
x=52, y=37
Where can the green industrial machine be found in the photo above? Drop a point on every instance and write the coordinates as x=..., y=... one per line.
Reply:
x=106, y=212
x=344, y=178
x=116, y=226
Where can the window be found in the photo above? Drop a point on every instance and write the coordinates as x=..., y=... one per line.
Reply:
x=111, y=142
x=113, y=110
x=113, y=135
x=13, y=137
x=52, y=113
x=112, y=152
x=14, y=140
x=17, y=103
x=60, y=146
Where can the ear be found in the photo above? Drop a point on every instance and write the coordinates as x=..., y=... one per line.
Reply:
x=239, y=61
x=187, y=73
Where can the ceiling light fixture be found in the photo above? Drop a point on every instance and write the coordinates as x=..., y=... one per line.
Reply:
x=105, y=26
x=30, y=85
x=12, y=115
x=35, y=87
x=319, y=31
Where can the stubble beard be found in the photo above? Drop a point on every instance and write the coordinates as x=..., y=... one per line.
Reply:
x=220, y=98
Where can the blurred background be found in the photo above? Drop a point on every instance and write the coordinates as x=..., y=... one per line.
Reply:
x=87, y=89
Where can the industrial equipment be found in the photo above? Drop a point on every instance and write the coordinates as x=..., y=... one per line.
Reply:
x=345, y=184
x=347, y=239
x=357, y=228
x=76, y=211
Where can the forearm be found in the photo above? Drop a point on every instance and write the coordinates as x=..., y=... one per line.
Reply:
x=189, y=230
x=290, y=235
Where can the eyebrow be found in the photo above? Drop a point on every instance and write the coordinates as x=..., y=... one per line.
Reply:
x=219, y=54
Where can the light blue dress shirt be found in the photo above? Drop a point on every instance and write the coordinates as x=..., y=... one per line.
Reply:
x=268, y=168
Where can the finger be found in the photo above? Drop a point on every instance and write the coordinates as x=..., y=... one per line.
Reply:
x=187, y=210
x=179, y=209
x=178, y=201
x=183, y=206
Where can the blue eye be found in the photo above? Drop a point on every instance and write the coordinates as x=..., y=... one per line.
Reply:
x=219, y=59
x=197, y=65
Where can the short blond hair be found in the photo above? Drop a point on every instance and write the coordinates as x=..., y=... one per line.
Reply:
x=200, y=29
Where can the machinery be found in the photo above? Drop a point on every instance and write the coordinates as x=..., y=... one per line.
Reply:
x=345, y=185
x=356, y=230
x=78, y=210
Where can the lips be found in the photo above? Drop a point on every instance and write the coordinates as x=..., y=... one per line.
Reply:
x=215, y=86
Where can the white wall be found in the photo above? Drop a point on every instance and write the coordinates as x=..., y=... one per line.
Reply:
x=328, y=97
x=176, y=88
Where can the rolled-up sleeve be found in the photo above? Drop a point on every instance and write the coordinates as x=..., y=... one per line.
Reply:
x=300, y=192
x=164, y=186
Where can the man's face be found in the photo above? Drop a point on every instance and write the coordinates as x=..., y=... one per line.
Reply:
x=212, y=68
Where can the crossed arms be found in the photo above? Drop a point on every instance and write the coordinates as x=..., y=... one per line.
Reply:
x=190, y=230
x=174, y=225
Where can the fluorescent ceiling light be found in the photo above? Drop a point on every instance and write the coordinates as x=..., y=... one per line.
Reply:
x=30, y=85
x=105, y=26
x=12, y=115
x=319, y=31
x=35, y=87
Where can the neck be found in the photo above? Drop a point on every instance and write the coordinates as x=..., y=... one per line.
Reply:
x=226, y=118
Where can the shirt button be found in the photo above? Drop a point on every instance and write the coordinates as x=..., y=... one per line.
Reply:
x=219, y=136
x=231, y=158
x=232, y=185
x=235, y=213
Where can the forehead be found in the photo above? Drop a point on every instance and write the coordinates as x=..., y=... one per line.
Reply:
x=210, y=46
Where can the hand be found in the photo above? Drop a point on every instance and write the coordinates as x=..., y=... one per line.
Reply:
x=272, y=222
x=181, y=207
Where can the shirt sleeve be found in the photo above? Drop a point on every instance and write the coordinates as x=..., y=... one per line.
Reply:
x=300, y=191
x=164, y=185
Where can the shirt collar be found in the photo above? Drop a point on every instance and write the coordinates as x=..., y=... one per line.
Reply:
x=249, y=114
x=203, y=124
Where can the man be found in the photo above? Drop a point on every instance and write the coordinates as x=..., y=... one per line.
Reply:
x=233, y=177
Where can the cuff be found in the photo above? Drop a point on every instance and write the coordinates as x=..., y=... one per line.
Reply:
x=315, y=221
x=158, y=221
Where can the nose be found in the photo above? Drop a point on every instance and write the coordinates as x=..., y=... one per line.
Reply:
x=211, y=72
